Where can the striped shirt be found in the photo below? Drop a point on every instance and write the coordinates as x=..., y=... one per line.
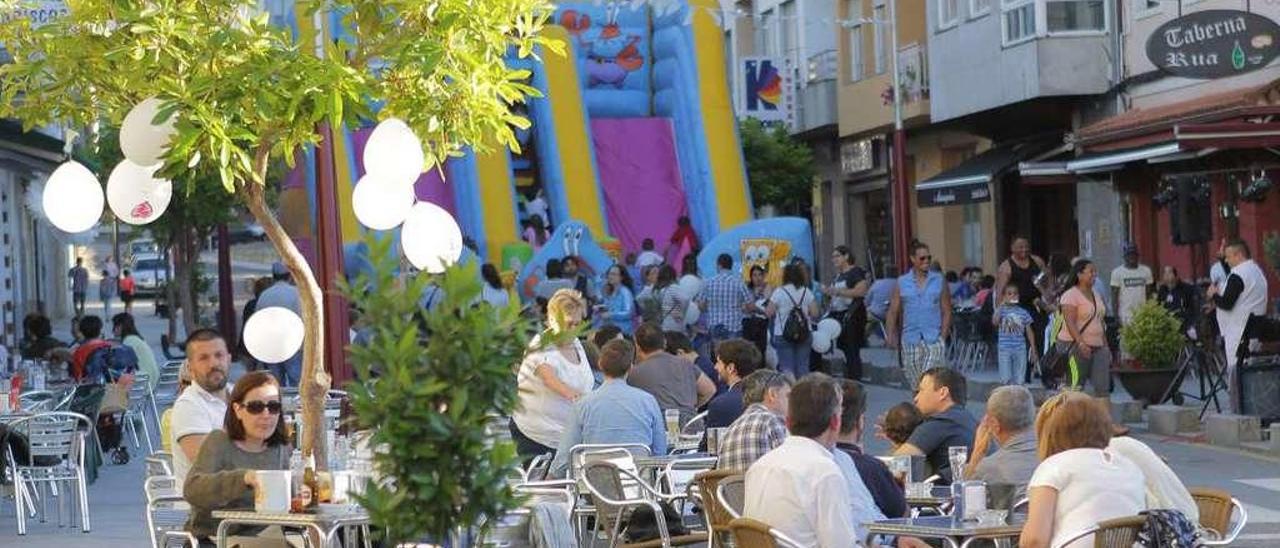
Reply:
x=725, y=294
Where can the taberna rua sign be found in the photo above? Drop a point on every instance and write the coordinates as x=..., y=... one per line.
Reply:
x=1214, y=44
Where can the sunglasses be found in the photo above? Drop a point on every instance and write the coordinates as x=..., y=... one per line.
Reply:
x=257, y=407
x=925, y=258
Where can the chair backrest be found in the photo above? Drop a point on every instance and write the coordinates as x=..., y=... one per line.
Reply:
x=679, y=474
x=695, y=427
x=159, y=466
x=1112, y=533
x=157, y=487
x=717, y=517
x=58, y=434
x=139, y=391
x=1215, y=508
x=604, y=482
x=749, y=533
x=731, y=493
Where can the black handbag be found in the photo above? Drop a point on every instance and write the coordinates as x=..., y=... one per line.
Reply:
x=642, y=525
x=1055, y=361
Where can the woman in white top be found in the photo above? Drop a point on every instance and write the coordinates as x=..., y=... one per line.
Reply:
x=493, y=291
x=673, y=301
x=553, y=375
x=1079, y=482
x=793, y=356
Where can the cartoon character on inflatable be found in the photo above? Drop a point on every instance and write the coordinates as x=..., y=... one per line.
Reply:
x=611, y=55
x=571, y=238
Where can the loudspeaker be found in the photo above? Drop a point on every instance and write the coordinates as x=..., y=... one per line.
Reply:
x=1190, y=217
x=1260, y=388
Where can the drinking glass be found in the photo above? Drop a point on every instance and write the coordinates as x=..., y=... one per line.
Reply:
x=959, y=456
x=673, y=422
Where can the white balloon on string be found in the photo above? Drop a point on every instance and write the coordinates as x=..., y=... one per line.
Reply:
x=141, y=141
x=135, y=195
x=72, y=198
x=394, y=152
x=381, y=204
x=431, y=238
x=273, y=334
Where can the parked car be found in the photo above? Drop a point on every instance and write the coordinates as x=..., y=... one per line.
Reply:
x=250, y=232
x=149, y=273
x=142, y=247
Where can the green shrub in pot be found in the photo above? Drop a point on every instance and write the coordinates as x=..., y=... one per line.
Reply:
x=1153, y=337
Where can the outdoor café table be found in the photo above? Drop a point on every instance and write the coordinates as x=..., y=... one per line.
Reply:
x=953, y=533
x=326, y=521
x=939, y=495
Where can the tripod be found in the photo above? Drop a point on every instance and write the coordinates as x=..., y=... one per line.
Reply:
x=1209, y=369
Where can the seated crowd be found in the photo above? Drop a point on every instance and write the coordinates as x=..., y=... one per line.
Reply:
x=799, y=442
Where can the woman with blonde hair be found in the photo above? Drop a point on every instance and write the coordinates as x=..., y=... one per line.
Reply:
x=1079, y=482
x=555, y=372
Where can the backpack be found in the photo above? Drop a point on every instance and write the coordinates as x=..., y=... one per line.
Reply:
x=1168, y=529
x=796, y=329
x=110, y=362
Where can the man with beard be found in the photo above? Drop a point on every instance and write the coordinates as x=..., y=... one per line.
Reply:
x=202, y=407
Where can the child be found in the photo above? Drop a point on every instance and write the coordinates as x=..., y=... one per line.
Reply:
x=899, y=422
x=1013, y=324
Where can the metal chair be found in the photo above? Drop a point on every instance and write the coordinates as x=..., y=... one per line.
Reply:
x=690, y=434
x=731, y=493
x=139, y=402
x=1216, y=508
x=166, y=511
x=38, y=400
x=749, y=533
x=511, y=530
x=1112, y=533
x=160, y=464
x=580, y=456
x=54, y=464
x=715, y=516
x=677, y=477
x=605, y=483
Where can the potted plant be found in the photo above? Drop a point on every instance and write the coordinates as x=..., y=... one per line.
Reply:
x=430, y=382
x=1152, y=340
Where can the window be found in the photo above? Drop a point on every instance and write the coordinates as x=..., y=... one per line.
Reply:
x=1019, y=22
x=972, y=234
x=765, y=34
x=948, y=13
x=1145, y=8
x=787, y=22
x=978, y=8
x=881, y=16
x=1068, y=16
x=855, y=39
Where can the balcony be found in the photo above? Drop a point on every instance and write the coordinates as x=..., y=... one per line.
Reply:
x=867, y=104
x=816, y=89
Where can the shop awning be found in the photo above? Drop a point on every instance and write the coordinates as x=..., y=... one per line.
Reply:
x=1101, y=162
x=970, y=182
x=1228, y=135
x=1156, y=124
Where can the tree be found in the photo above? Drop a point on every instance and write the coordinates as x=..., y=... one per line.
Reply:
x=244, y=93
x=198, y=206
x=779, y=169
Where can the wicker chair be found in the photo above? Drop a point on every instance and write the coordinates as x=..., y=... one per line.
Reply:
x=749, y=533
x=1216, y=508
x=717, y=518
x=604, y=481
x=1112, y=533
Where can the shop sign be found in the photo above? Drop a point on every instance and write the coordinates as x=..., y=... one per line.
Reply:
x=39, y=13
x=1214, y=44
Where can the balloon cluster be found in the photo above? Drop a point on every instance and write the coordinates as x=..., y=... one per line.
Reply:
x=385, y=198
x=73, y=198
x=825, y=335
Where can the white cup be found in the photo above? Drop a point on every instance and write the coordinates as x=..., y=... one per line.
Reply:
x=273, y=491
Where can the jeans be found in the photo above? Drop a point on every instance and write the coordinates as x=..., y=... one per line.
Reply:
x=77, y=300
x=288, y=372
x=1013, y=364
x=793, y=358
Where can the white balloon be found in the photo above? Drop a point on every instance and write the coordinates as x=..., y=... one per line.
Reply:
x=273, y=334
x=829, y=326
x=690, y=286
x=820, y=342
x=72, y=198
x=143, y=143
x=381, y=204
x=692, y=313
x=135, y=195
x=394, y=152
x=431, y=238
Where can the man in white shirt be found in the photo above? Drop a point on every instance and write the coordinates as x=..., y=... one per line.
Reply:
x=1243, y=295
x=1131, y=284
x=202, y=407
x=798, y=488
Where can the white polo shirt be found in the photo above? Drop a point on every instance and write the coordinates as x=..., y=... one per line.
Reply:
x=196, y=412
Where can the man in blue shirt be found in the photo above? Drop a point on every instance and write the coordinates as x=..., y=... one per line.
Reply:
x=735, y=359
x=614, y=413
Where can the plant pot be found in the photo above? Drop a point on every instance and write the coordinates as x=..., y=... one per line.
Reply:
x=1148, y=385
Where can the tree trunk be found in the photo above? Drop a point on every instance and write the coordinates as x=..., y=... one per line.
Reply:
x=184, y=271
x=314, y=385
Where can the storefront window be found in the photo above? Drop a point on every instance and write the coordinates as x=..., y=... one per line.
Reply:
x=972, y=235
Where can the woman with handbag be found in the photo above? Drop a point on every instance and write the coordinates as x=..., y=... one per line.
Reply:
x=1082, y=338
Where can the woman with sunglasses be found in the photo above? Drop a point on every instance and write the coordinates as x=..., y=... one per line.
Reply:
x=253, y=438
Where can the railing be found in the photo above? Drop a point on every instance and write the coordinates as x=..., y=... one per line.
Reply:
x=913, y=73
